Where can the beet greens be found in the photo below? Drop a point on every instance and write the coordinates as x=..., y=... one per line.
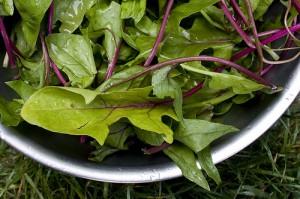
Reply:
x=136, y=74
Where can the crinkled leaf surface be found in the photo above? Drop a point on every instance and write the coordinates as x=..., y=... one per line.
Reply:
x=6, y=7
x=32, y=13
x=73, y=54
x=85, y=112
x=71, y=13
x=198, y=134
x=185, y=159
x=107, y=19
x=134, y=9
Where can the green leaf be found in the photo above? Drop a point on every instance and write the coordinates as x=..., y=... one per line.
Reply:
x=32, y=13
x=262, y=8
x=73, y=54
x=21, y=88
x=239, y=84
x=117, y=77
x=71, y=13
x=150, y=138
x=164, y=86
x=198, y=134
x=185, y=159
x=101, y=152
x=108, y=20
x=9, y=112
x=6, y=7
x=86, y=112
x=208, y=166
x=118, y=134
x=134, y=9
x=185, y=10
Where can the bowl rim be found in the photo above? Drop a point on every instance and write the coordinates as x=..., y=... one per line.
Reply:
x=165, y=171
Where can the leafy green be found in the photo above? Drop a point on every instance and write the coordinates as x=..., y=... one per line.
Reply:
x=198, y=134
x=134, y=9
x=73, y=54
x=118, y=134
x=185, y=159
x=10, y=112
x=150, y=138
x=32, y=13
x=71, y=13
x=208, y=166
x=85, y=112
x=6, y=7
x=101, y=152
x=21, y=88
x=108, y=20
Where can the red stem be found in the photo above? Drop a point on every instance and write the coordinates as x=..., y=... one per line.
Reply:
x=230, y=18
x=161, y=33
x=296, y=4
x=238, y=10
x=58, y=73
x=156, y=149
x=196, y=58
x=7, y=44
x=193, y=90
x=50, y=17
x=112, y=64
x=275, y=37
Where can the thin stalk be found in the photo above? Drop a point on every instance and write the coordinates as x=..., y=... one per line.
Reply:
x=255, y=35
x=193, y=90
x=289, y=6
x=239, y=12
x=161, y=33
x=240, y=31
x=53, y=65
x=113, y=62
x=46, y=59
x=191, y=59
x=296, y=4
x=7, y=44
x=275, y=37
x=50, y=17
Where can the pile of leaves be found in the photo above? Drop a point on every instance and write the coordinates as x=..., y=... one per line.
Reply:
x=153, y=72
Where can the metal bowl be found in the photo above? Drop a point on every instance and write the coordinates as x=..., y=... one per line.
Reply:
x=64, y=153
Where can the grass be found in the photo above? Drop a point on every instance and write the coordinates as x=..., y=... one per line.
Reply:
x=269, y=168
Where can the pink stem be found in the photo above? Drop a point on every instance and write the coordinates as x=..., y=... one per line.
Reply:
x=238, y=10
x=112, y=64
x=50, y=17
x=240, y=31
x=58, y=73
x=296, y=4
x=160, y=34
x=196, y=58
x=193, y=90
x=7, y=44
x=275, y=37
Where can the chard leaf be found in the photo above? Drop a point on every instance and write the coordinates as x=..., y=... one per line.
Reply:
x=50, y=107
x=6, y=7
x=9, y=112
x=185, y=159
x=262, y=8
x=73, y=54
x=198, y=134
x=239, y=84
x=101, y=152
x=208, y=166
x=164, y=86
x=119, y=133
x=108, y=20
x=21, y=88
x=134, y=9
x=185, y=10
x=71, y=13
x=150, y=138
x=32, y=13
x=123, y=75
